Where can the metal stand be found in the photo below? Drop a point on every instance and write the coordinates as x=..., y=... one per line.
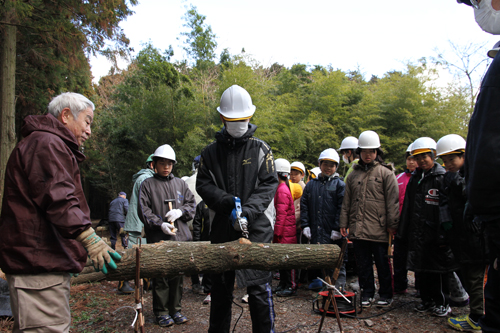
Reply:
x=331, y=288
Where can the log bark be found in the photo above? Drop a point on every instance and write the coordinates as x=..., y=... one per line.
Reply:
x=175, y=258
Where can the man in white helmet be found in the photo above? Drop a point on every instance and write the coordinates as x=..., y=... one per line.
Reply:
x=482, y=156
x=237, y=164
x=165, y=206
x=349, y=156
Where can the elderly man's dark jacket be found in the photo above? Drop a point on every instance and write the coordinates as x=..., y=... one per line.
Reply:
x=44, y=208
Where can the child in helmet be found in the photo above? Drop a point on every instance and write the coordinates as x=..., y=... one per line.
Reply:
x=370, y=212
x=400, y=250
x=285, y=226
x=348, y=149
x=320, y=209
x=423, y=226
x=465, y=240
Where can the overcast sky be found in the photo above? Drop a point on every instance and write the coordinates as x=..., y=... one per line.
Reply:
x=376, y=36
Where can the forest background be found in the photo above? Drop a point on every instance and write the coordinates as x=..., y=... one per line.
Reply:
x=301, y=110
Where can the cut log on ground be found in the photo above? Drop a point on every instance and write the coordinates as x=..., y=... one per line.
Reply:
x=176, y=258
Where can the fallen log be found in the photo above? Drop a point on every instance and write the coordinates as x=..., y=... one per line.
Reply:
x=174, y=258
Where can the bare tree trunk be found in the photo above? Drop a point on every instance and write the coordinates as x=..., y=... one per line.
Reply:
x=7, y=96
x=174, y=258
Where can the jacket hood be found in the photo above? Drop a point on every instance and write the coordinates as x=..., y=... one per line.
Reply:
x=142, y=172
x=169, y=177
x=49, y=123
x=223, y=136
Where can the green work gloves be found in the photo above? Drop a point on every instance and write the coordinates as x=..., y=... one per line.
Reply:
x=99, y=252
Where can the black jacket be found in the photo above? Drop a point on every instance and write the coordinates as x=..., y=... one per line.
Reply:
x=153, y=207
x=482, y=154
x=201, y=223
x=421, y=218
x=320, y=207
x=466, y=242
x=244, y=168
x=118, y=209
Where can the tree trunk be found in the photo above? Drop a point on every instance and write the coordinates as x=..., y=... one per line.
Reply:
x=7, y=96
x=174, y=258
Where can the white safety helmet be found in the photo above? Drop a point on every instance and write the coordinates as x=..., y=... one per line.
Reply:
x=450, y=144
x=236, y=104
x=298, y=166
x=408, y=150
x=493, y=52
x=282, y=165
x=423, y=145
x=165, y=151
x=349, y=143
x=316, y=171
x=368, y=140
x=329, y=154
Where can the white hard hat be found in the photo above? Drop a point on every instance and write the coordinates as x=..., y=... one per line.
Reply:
x=282, y=165
x=423, y=145
x=349, y=143
x=369, y=140
x=449, y=144
x=316, y=171
x=408, y=150
x=329, y=154
x=236, y=104
x=165, y=151
x=298, y=166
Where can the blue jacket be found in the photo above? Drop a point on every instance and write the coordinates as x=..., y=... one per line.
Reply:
x=320, y=207
x=118, y=208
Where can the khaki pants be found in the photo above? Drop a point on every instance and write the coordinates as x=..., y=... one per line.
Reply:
x=40, y=302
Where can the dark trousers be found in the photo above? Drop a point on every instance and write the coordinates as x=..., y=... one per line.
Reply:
x=399, y=261
x=490, y=322
x=260, y=302
x=433, y=287
x=366, y=252
x=288, y=278
x=114, y=229
x=472, y=277
x=167, y=295
x=207, y=283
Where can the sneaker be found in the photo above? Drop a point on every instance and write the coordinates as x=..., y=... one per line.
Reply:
x=207, y=299
x=278, y=288
x=441, y=310
x=366, y=302
x=244, y=299
x=425, y=307
x=197, y=289
x=125, y=288
x=315, y=285
x=463, y=323
x=384, y=302
x=164, y=321
x=276, y=275
x=179, y=318
x=286, y=292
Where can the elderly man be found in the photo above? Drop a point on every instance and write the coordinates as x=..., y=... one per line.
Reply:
x=45, y=228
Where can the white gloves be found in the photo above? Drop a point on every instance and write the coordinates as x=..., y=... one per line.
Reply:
x=168, y=229
x=307, y=232
x=173, y=215
x=335, y=235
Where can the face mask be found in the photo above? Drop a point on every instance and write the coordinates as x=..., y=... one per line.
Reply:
x=345, y=159
x=236, y=128
x=487, y=17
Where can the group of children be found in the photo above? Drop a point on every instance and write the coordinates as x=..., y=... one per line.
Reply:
x=423, y=209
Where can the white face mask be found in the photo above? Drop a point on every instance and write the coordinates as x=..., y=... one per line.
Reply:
x=236, y=128
x=487, y=17
x=345, y=159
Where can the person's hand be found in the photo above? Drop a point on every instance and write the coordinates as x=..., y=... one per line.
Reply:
x=173, y=215
x=98, y=251
x=168, y=229
x=343, y=232
x=335, y=235
x=307, y=232
x=392, y=231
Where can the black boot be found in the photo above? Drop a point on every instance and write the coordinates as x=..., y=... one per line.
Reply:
x=124, y=288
